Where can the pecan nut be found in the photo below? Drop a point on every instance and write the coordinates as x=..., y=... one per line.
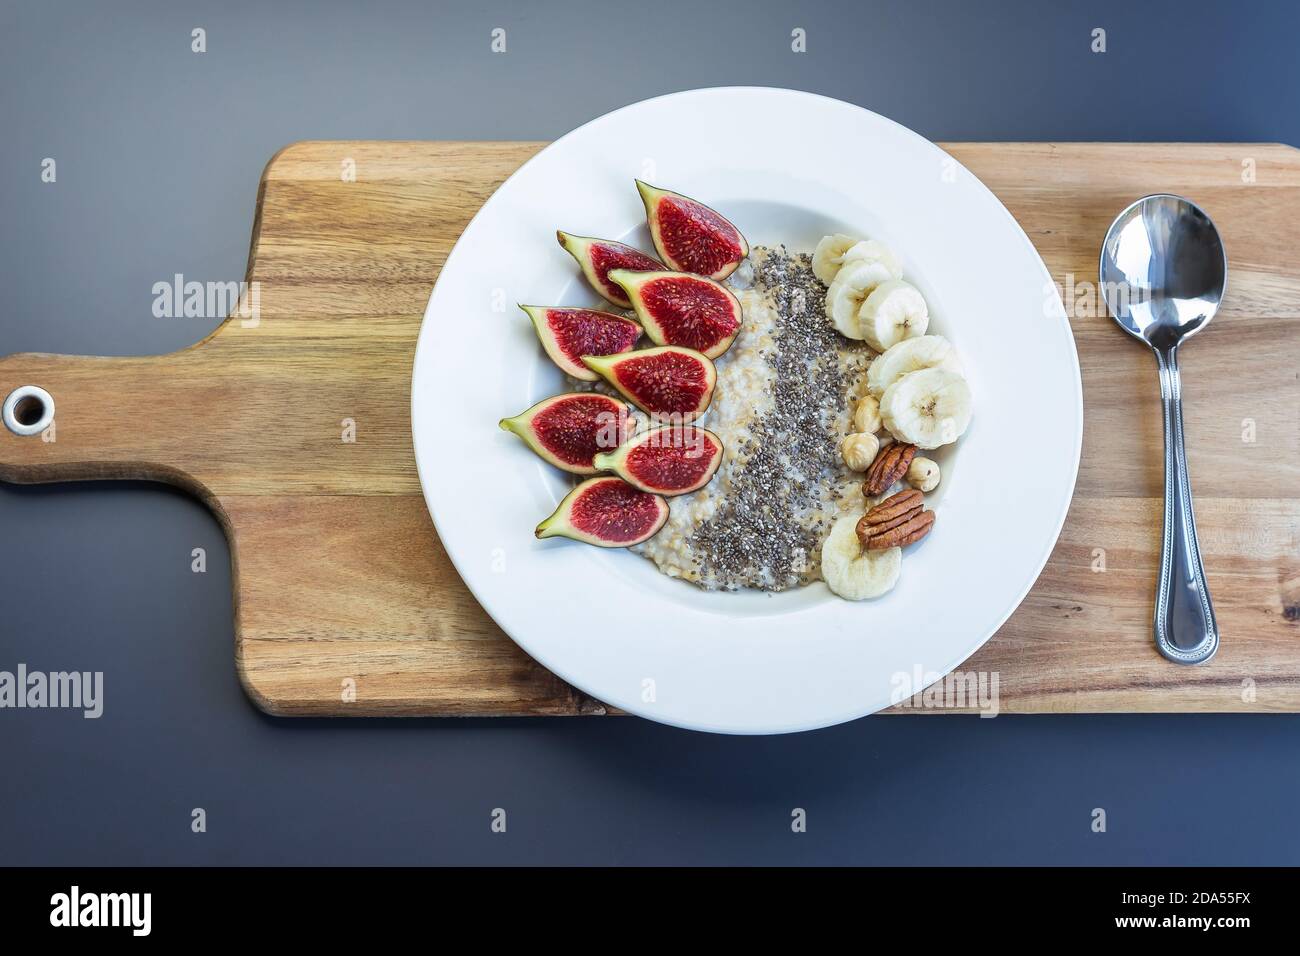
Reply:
x=890, y=466
x=899, y=520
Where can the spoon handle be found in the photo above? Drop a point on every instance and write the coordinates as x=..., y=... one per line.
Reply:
x=1185, y=629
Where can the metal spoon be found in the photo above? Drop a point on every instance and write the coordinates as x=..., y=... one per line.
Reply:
x=1163, y=273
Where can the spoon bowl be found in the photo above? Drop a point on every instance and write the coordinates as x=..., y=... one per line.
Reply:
x=1163, y=274
x=1163, y=269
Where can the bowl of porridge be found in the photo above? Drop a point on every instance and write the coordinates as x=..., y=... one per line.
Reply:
x=756, y=409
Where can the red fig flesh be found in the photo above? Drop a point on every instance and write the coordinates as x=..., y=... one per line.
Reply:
x=598, y=256
x=606, y=512
x=691, y=237
x=692, y=311
x=670, y=382
x=673, y=460
x=569, y=334
x=570, y=430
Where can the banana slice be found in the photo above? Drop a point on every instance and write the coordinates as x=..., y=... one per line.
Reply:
x=928, y=408
x=910, y=355
x=849, y=292
x=870, y=250
x=829, y=254
x=855, y=574
x=894, y=311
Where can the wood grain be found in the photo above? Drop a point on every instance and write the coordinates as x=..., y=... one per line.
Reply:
x=347, y=604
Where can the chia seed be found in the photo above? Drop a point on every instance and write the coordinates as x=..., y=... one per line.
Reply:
x=761, y=534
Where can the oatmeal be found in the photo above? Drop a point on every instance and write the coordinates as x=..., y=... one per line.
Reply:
x=794, y=371
x=782, y=406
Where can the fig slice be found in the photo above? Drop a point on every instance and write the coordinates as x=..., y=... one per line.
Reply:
x=675, y=308
x=567, y=334
x=670, y=382
x=570, y=430
x=672, y=460
x=598, y=256
x=606, y=512
x=691, y=237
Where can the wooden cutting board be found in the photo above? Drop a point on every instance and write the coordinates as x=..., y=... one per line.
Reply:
x=345, y=602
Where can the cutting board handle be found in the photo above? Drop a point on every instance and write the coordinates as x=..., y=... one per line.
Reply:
x=113, y=418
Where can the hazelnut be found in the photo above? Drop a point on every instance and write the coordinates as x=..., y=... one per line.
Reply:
x=923, y=474
x=866, y=417
x=859, y=450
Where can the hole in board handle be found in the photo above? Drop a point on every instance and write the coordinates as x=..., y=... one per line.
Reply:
x=28, y=410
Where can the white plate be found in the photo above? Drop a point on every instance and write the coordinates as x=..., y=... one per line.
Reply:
x=785, y=167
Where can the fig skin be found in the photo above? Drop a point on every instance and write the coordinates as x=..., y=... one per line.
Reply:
x=607, y=367
x=722, y=230
x=523, y=426
x=635, y=285
x=539, y=314
x=585, y=251
x=560, y=523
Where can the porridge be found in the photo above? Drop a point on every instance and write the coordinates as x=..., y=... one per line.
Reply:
x=781, y=407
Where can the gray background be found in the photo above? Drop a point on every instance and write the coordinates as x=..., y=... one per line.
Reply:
x=159, y=152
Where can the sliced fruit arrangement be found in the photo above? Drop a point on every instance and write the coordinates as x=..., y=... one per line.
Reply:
x=691, y=237
x=680, y=309
x=672, y=460
x=866, y=296
x=669, y=381
x=598, y=256
x=692, y=319
x=570, y=430
x=607, y=512
x=852, y=285
x=834, y=252
x=853, y=572
x=567, y=334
